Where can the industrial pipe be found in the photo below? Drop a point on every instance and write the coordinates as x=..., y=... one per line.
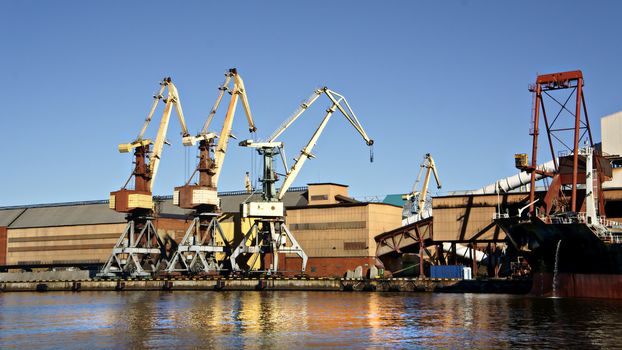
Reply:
x=510, y=183
x=465, y=252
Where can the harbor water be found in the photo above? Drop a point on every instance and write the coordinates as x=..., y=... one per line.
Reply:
x=293, y=320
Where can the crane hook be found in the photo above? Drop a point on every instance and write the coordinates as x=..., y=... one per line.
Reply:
x=371, y=153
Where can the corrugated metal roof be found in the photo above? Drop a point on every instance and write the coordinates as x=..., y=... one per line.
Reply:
x=231, y=204
x=395, y=199
x=97, y=212
x=9, y=215
x=45, y=205
x=68, y=215
x=168, y=209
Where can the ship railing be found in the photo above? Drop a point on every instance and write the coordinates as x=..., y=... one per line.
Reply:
x=602, y=228
x=609, y=223
x=562, y=220
x=613, y=237
x=582, y=218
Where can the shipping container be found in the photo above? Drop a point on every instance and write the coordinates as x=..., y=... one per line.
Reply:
x=447, y=271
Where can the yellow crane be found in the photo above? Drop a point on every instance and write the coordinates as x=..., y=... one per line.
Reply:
x=129, y=200
x=196, y=252
x=269, y=233
x=204, y=193
x=416, y=198
x=139, y=250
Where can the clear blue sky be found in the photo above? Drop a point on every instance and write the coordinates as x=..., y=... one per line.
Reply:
x=449, y=78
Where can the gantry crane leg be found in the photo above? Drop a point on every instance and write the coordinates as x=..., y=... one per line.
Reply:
x=196, y=253
x=264, y=237
x=137, y=253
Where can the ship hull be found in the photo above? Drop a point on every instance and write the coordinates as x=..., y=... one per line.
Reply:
x=567, y=260
x=577, y=285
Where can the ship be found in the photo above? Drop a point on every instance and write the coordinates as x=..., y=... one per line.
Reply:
x=571, y=253
x=569, y=257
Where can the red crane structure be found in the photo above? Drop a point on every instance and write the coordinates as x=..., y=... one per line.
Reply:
x=567, y=114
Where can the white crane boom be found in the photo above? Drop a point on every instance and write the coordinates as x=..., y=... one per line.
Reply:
x=306, y=152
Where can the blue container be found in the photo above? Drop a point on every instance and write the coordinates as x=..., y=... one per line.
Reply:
x=446, y=271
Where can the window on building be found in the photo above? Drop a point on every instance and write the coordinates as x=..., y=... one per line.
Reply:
x=354, y=245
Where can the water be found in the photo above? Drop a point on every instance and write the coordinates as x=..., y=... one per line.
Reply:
x=556, y=268
x=294, y=320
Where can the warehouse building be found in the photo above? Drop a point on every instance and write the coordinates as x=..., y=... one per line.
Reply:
x=336, y=231
x=71, y=234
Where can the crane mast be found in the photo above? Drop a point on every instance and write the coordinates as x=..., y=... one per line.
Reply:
x=140, y=198
x=139, y=250
x=198, y=249
x=211, y=156
x=271, y=235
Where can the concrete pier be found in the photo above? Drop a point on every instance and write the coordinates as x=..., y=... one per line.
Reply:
x=301, y=284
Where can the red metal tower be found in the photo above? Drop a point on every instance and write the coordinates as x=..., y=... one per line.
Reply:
x=563, y=90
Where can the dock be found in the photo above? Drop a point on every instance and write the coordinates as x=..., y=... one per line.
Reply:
x=505, y=286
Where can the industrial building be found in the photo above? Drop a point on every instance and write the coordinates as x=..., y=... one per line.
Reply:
x=70, y=234
x=336, y=231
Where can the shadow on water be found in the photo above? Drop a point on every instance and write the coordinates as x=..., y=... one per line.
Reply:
x=303, y=319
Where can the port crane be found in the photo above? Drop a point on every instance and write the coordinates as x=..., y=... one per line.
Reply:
x=269, y=235
x=416, y=200
x=140, y=250
x=196, y=252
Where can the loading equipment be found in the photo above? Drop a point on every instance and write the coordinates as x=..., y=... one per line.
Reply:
x=269, y=236
x=198, y=249
x=139, y=252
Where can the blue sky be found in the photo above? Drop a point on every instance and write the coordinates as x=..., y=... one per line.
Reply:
x=449, y=78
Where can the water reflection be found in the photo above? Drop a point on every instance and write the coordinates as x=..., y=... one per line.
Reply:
x=303, y=319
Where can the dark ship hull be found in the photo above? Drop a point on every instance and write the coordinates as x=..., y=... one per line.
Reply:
x=567, y=259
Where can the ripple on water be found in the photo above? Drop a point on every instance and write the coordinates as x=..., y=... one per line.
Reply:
x=302, y=319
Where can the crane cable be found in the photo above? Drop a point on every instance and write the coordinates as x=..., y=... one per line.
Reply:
x=253, y=164
x=186, y=162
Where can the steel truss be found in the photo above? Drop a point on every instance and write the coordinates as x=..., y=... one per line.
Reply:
x=137, y=253
x=264, y=237
x=571, y=117
x=196, y=253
